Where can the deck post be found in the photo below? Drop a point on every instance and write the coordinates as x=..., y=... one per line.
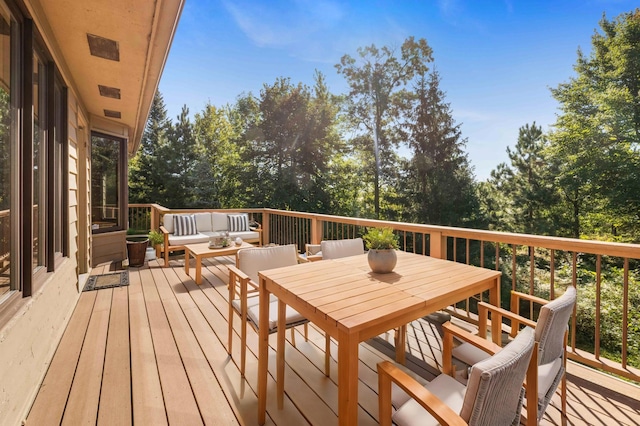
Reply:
x=438, y=245
x=265, y=228
x=316, y=230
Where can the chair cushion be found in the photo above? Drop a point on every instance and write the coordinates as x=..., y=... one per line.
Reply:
x=253, y=313
x=238, y=222
x=547, y=374
x=184, y=225
x=219, y=222
x=203, y=222
x=252, y=260
x=334, y=249
x=469, y=354
x=446, y=388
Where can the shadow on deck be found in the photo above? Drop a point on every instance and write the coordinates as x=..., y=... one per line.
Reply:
x=153, y=352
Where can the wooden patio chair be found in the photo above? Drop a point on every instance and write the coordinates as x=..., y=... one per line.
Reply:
x=335, y=249
x=493, y=395
x=549, y=362
x=244, y=291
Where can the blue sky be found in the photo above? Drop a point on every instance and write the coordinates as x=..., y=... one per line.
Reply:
x=496, y=59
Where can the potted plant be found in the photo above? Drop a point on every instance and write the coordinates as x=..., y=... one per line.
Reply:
x=382, y=243
x=136, y=248
x=156, y=239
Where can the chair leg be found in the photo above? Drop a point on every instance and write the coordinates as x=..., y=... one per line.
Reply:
x=306, y=331
x=230, y=343
x=327, y=355
x=293, y=337
x=243, y=346
x=563, y=398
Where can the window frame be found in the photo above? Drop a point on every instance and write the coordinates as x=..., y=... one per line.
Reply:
x=24, y=281
x=122, y=179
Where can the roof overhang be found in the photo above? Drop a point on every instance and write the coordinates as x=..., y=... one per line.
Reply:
x=118, y=89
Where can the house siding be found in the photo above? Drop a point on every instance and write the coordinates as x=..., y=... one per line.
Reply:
x=29, y=340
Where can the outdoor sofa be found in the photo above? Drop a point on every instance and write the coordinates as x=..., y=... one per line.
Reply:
x=191, y=228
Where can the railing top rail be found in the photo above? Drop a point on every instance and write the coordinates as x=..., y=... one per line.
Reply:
x=604, y=248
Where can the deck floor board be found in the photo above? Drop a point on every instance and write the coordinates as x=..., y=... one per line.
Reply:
x=154, y=352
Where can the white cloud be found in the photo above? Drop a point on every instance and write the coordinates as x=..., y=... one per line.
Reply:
x=286, y=23
x=463, y=115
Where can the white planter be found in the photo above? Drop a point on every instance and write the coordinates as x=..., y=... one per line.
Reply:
x=382, y=261
x=150, y=254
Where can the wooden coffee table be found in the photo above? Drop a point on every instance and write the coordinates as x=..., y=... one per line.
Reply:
x=201, y=251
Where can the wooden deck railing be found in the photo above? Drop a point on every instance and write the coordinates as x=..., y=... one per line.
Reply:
x=534, y=264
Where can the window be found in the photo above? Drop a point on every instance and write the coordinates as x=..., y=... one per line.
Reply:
x=9, y=200
x=33, y=159
x=39, y=140
x=108, y=163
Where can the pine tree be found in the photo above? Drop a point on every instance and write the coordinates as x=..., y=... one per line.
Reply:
x=439, y=180
x=147, y=170
x=180, y=155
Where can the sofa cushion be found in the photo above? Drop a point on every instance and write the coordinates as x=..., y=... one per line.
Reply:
x=246, y=236
x=219, y=221
x=167, y=222
x=187, y=239
x=203, y=222
x=184, y=224
x=238, y=222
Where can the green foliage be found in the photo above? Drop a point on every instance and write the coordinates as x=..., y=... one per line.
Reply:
x=380, y=239
x=594, y=146
x=155, y=237
x=378, y=81
x=148, y=170
x=437, y=184
x=520, y=196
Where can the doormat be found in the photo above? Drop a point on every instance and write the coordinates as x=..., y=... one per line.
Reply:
x=97, y=282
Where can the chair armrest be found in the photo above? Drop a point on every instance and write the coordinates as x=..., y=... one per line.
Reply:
x=165, y=234
x=477, y=341
x=516, y=295
x=450, y=331
x=236, y=274
x=387, y=373
x=483, y=313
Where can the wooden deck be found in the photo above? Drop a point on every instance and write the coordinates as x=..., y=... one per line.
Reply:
x=154, y=353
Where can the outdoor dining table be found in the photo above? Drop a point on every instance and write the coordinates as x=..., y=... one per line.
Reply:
x=352, y=304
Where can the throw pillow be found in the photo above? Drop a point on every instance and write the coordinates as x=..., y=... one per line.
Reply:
x=238, y=222
x=184, y=225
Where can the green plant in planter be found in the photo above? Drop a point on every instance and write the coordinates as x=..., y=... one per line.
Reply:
x=381, y=243
x=380, y=239
x=155, y=237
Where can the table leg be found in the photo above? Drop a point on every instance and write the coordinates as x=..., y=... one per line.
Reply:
x=263, y=351
x=401, y=344
x=198, y=269
x=282, y=330
x=186, y=262
x=347, y=379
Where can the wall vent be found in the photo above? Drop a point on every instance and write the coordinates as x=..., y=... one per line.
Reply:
x=112, y=114
x=109, y=92
x=103, y=47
